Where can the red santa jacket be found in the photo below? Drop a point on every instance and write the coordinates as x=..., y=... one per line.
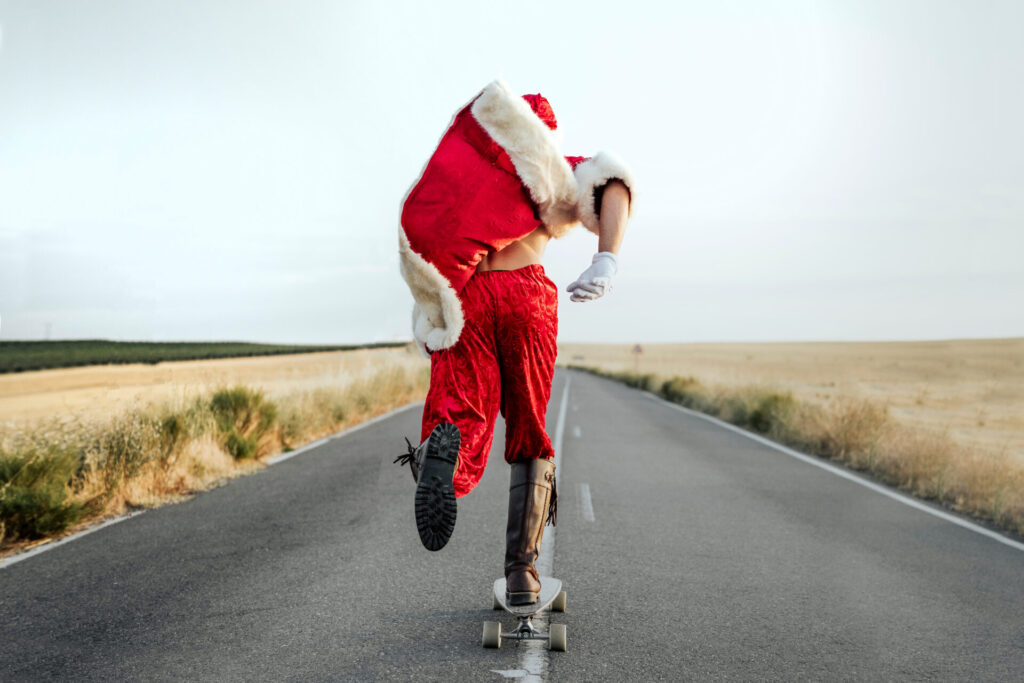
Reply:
x=496, y=175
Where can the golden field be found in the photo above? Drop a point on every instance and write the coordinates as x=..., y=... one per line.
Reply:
x=99, y=391
x=971, y=391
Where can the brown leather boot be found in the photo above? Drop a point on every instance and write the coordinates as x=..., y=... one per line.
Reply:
x=532, y=500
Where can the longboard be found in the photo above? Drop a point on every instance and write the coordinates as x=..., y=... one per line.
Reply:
x=551, y=596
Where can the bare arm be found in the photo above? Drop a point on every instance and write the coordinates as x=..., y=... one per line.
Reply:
x=596, y=280
x=614, y=215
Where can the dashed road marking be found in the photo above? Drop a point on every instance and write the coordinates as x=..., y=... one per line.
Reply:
x=586, y=504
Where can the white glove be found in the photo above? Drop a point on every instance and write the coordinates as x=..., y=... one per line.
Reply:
x=596, y=281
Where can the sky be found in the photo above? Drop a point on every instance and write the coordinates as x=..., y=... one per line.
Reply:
x=215, y=170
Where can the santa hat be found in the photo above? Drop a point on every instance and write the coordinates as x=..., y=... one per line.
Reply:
x=496, y=176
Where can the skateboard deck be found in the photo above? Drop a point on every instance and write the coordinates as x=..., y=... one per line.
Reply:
x=551, y=597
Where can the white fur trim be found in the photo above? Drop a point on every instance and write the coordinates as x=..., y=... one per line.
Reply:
x=597, y=172
x=511, y=123
x=437, y=317
x=437, y=314
x=416, y=317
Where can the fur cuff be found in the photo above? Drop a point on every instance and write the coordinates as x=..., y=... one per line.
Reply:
x=530, y=145
x=437, y=314
x=592, y=175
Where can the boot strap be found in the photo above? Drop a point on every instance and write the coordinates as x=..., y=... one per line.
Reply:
x=553, y=505
x=524, y=476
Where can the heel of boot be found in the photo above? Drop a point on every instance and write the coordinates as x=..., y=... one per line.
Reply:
x=444, y=442
x=522, y=598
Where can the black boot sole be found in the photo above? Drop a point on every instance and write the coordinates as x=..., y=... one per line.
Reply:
x=435, y=495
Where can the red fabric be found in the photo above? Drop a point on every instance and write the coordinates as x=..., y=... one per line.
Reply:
x=469, y=200
x=542, y=108
x=504, y=361
x=576, y=161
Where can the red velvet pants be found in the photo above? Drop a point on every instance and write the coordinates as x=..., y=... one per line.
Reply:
x=504, y=360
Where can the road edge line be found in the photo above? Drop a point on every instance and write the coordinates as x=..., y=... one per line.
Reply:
x=281, y=457
x=845, y=474
x=18, y=557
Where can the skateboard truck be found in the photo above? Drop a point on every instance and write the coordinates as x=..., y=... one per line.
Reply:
x=551, y=596
x=525, y=631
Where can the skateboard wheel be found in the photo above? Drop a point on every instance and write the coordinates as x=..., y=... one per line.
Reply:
x=556, y=638
x=558, y=605
x=492, y=634
x=495, y=603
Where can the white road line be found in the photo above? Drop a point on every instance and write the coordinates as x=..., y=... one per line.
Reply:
x=53, y=544
x=586, y=505
x=545, y=562
x=533, y=657
x=811, y=460
x=345, y=432
x=576, y=432
x=6, y=562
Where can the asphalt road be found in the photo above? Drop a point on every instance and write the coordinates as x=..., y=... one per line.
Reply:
x=689, y=552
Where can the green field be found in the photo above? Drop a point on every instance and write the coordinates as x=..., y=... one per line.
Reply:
x=21, y=356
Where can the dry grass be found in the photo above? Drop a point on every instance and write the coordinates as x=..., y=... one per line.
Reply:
x=59, y=474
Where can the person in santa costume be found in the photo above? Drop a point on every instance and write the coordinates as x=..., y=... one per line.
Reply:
x=474, y=227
